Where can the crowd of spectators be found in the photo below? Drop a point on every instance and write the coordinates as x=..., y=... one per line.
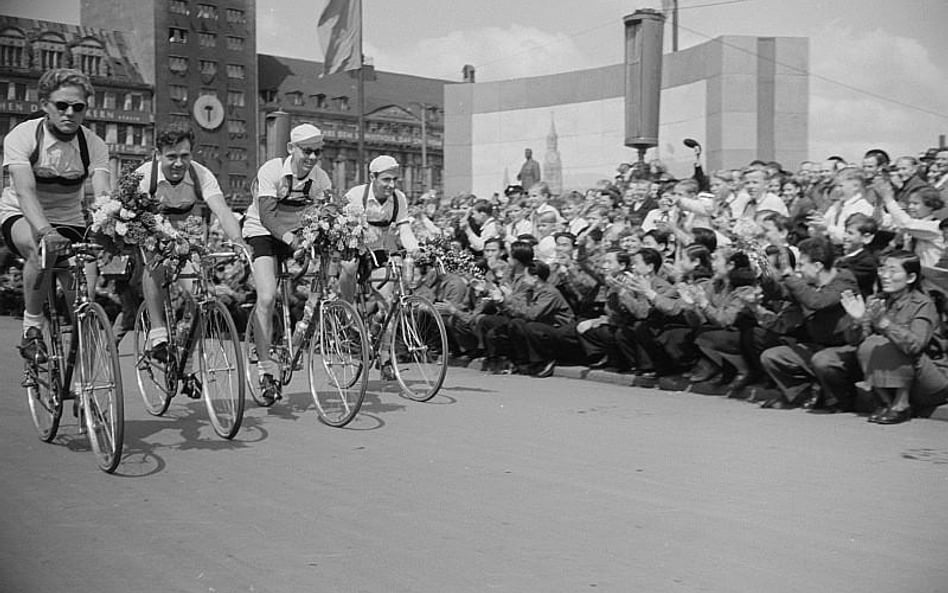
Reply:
x=815, y=288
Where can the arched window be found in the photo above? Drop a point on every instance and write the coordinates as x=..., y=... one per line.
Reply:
x=48, y=51
x=89, y=56
x=13, y=48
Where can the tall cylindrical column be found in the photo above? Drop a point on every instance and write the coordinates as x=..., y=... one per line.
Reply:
x=643, y=78
x=278, y=133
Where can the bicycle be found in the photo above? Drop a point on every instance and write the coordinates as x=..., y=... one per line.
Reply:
x=98, y=399
x=418, y=341
x=202, y=328
x=335, y=345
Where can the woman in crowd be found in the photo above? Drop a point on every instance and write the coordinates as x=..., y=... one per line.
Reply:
x=896, y=331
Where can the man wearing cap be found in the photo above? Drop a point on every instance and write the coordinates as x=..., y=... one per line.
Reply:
x=285, y=188
x=180, y=184
x=386, y=209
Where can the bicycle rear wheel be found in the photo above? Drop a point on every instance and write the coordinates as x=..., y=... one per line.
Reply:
x=419, y=348
x=100, y=383
x=153, y=377
x=43, y=390
x=251, y=359
x=338, y=361
x=221, y=369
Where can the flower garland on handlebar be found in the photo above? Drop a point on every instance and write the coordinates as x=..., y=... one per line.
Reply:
x=131, y=220
x=330, y=228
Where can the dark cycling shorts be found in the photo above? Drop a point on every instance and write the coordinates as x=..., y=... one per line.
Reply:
x=367, y=263
x=75, y=234
x=268, y=245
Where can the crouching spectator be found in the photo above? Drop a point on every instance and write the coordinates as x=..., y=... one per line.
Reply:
x=543, y=326
x=898, y=333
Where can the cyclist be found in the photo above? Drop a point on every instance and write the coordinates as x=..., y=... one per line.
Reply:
x=179, y=183
x=49, y=159
x=285, y=188
x=386, y=210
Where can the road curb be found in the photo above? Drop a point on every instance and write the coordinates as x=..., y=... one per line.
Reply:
x=599, y=376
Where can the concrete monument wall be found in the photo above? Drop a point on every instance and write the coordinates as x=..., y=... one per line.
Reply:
x=740, y=97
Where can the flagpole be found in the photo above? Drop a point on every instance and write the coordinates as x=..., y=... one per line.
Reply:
x=360, y=91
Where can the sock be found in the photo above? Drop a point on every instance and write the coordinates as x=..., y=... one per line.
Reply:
x=156, y=335
x=268, y=367
x=31, y=320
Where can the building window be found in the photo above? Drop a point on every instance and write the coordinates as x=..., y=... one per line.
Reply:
x=176, y=35
x=208, y=67
x=15, y=91
x=236, y=71
x=177, y=64
x=133, y=102
x=208, y=39
x=296, y=98
x=178, y=7
x=342, y=103
x=235, y=16
x=319, y=100
x=111, y=133
x=89, y=56
x=178, y=92
x=208, y=152
x=109, y=100
x=49, y=50
x=236, y=127
x=268, y=95
x=12, y=48
x=211, y=92
x=207, y=11
x=237, y=154
x=235, y=43
x=236, y=99
x=236, y=182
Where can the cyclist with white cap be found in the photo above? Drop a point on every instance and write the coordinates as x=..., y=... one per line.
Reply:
x=285, y=188
x=386, y=209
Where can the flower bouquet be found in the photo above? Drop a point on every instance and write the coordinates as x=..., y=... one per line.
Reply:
x=331, y=228
x=130, y=220
x=440, y=251
x=749, y=238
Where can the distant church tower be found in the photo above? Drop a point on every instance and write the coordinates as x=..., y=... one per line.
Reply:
x=552, y=166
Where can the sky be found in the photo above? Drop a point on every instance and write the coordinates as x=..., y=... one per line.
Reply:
x=879, y=70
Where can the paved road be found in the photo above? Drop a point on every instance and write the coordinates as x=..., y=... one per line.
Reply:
x=499, y=484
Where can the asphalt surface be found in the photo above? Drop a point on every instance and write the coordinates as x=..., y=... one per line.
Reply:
x=500, y=483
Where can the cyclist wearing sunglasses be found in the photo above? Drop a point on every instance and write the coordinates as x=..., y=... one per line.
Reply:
x=48, y=160
x=284, y=189
x=179, y=183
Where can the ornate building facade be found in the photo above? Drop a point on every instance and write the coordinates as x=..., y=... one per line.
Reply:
x=404, y=118
x=121, y=110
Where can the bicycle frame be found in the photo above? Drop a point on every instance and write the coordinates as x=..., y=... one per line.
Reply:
x=288, y=355
x=392, y=273
x=64, y=363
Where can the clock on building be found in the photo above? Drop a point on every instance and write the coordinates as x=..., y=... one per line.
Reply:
x=208, y=112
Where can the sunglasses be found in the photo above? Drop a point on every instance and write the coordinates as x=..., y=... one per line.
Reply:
x=310, y=151
x=63, y=106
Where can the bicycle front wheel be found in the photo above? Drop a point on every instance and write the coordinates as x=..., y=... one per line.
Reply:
x=419, y=348
x=221, y=369
x=100, y=386
x=152, y=375
x=338, y=361
x=43, y=383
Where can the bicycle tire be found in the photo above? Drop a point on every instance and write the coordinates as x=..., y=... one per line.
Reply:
x=419, y=357
x=100, y=382
x=44, y=391
x=153, y=377
x=221, y=369
x=250, y=357
x=340, y=349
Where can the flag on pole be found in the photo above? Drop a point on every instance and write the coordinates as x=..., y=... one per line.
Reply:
x=340, y=34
